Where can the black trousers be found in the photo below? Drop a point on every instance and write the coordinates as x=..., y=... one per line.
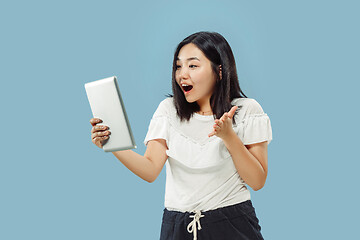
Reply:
x=237, y=221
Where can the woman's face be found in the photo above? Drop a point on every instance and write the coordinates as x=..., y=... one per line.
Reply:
x=193, y=68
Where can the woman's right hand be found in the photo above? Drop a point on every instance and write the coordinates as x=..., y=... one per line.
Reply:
x=99, y=134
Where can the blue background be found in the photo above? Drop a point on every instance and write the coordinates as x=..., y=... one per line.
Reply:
x=298, y=59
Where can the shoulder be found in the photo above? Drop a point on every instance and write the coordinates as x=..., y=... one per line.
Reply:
x=164, y=107
x=167, y=103
x=248, y=105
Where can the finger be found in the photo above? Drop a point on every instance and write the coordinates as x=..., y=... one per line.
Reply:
x=95, y=121
x=94, y=129
x=94, y=135
x=99, y=140
x=232, y=111
x=100, y=134
x=103, y=139
x=99, y=128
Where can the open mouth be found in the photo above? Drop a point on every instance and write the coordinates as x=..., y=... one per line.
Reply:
x=187, y=88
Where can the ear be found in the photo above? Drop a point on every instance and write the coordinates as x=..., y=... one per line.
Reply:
x=220, y=72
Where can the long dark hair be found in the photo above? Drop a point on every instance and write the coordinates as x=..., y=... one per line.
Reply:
x=218, y=51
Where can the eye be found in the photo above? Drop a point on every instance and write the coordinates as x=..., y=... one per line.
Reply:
x=177, y=66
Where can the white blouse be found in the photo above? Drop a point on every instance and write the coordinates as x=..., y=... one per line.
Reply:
x=200, y=173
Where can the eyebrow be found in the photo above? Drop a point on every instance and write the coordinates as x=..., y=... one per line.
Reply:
x=191, y=58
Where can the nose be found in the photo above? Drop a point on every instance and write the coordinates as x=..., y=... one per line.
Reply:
x=183, y=73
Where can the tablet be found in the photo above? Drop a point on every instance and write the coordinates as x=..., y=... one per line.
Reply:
x=106, y=103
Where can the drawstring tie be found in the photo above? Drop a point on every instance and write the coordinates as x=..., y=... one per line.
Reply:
x=192, y=225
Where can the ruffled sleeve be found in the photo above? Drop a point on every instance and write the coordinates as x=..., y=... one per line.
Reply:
x=159, y=124
x=256, y=125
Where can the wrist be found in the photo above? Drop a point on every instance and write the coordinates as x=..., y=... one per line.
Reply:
x=230, y=136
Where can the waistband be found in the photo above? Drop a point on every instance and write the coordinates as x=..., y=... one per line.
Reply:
x=210, y=216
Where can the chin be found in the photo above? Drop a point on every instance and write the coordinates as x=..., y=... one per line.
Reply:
x=190, y=99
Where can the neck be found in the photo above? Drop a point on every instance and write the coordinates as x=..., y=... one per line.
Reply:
x=205, y=112
x=204, y=105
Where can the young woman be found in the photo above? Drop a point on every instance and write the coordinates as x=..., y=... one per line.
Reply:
x=213, y=140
